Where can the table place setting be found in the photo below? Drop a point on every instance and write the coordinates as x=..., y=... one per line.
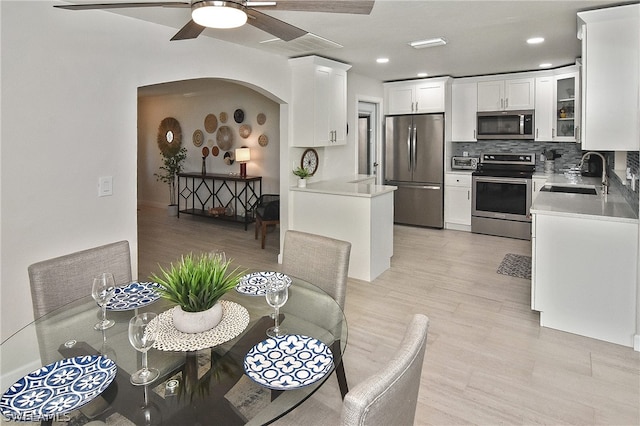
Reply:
x=256, y=283
x=133, y=295
x=58, y=388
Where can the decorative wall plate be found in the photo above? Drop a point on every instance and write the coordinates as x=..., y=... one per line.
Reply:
x=210, y=123
x=223, y=117
x=215, y=151
x=169, y=136
x=263, y=140
x=58, y=388
x=205, y=151
x=198, y=137
x=224, y=138
x=238, y=116
x=288, y=362
x=261, y=119
x=245, y=131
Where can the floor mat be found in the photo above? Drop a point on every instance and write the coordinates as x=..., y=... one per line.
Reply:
x=515, y=265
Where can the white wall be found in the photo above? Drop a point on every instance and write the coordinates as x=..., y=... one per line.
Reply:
x=69, y=115
x=214, y=97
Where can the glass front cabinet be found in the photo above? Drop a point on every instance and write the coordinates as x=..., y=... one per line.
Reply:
x=567, y=108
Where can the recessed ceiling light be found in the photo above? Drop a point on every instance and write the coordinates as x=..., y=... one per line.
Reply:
x=422, y=74
x=382, y=60
x=545, y=65
x=535, y=40
x=430, y=42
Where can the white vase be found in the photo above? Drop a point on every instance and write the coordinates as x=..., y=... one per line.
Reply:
x=302, y=183
x=172, y=210
x=197, y=322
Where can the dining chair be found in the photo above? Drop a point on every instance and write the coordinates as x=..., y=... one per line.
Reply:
x=58, y=281
x=389, y=397
x=267, y=214
x=324, y=262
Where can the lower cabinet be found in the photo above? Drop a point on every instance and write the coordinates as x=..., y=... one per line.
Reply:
x=457, y=201
x=538, y=183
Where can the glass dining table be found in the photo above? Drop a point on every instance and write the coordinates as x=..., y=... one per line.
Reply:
x=203, y=387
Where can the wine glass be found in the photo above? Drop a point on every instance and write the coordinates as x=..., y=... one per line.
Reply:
x=277, y=295
x=103, y=290
x=142, y=339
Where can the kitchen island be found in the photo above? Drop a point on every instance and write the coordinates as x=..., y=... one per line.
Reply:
x=585, y=254
x=353, y=209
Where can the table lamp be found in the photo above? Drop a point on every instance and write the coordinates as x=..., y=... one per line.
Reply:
x=242, y=156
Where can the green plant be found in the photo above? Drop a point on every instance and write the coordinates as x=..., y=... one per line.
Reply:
x=302, y=172
x=171, y=166
x=197, y=282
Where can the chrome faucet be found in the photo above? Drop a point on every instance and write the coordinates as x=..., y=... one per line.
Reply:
x=605, y=181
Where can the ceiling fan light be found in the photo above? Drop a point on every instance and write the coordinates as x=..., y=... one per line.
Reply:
x=218, y=14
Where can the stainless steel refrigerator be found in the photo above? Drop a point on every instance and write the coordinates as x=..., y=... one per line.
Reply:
x=414, y=162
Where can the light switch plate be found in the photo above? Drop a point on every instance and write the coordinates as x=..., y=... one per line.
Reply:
x=105, y=186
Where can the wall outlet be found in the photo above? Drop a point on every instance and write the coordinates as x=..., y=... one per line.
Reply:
x=465, y=153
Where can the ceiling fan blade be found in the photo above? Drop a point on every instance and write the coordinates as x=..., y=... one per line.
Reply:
x=88, y=6
x=359, y=7
x=189, y=31
x=276, y=27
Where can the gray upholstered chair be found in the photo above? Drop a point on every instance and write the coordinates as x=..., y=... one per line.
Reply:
x=324, y=262
x=389, y=397
x=267, y=214
x=58, y=281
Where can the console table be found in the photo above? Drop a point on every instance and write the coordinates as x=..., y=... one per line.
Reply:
x=238, y=195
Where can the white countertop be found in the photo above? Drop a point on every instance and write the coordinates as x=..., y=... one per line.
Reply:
x=611, y=207
x=353, y=186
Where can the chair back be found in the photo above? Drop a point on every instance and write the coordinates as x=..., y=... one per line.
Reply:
x=58, y=281
x=320, y=260
x=390, y=396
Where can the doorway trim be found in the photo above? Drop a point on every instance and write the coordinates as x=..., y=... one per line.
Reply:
x=372, y=106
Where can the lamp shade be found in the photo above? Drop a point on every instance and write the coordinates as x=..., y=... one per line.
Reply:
x=218, y=14
x=243, y=154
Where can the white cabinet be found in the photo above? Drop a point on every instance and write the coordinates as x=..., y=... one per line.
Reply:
x=319, y=102
x=511, y=94
x=415, y=97
x=610, y=78
x=557, y=108
x=457, y=201
x=464, y=108
x=538, y=182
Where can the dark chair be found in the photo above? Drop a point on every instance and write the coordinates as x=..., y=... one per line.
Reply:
x=267, y=214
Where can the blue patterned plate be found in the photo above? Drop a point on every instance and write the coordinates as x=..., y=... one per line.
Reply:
x=58, y=388
x=288, y=362
x=133, y=295
x=255, y=284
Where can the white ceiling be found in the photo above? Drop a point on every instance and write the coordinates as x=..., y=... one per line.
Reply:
x=484, y=37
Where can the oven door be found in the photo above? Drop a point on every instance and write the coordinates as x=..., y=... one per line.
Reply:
x=501, y=198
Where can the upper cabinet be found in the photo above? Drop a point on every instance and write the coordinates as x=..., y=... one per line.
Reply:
x=415, y=97
x=557, y=107
x=502, y=95
x=319, y=102
x=464, y=109
x=610, y=87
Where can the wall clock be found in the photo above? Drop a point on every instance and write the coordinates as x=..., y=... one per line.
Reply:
x=309, y=160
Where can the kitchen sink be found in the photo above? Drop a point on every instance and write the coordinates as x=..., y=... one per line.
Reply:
x=569, y=189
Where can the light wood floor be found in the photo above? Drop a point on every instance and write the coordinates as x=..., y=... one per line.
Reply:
x=488, y=361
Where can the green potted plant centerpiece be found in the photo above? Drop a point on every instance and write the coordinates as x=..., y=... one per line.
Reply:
x=302, y=174
x=196, y=284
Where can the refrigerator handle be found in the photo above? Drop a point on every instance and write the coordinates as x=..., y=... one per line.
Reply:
x=414, y=154
x=409, y=151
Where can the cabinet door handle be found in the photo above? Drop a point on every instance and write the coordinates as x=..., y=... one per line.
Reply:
x=501, y=103
x=553, y=133
x=474, y=133
x=506, y=103
x=536, y=133
x=468, y=196
x=416, y=106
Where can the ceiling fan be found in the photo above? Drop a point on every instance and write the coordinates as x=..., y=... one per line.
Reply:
x=235, y=13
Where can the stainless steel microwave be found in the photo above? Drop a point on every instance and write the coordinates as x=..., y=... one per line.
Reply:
x=505, y=124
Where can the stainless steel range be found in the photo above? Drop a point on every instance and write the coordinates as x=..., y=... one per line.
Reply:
x=502, y=195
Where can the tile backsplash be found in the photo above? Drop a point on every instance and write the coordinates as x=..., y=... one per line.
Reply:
x=569, y=156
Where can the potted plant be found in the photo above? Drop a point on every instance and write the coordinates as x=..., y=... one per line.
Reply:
x=171, y=166
x=302, y=174
x=196, y=284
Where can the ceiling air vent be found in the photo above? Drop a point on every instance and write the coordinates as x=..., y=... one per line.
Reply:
x=308, y=43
